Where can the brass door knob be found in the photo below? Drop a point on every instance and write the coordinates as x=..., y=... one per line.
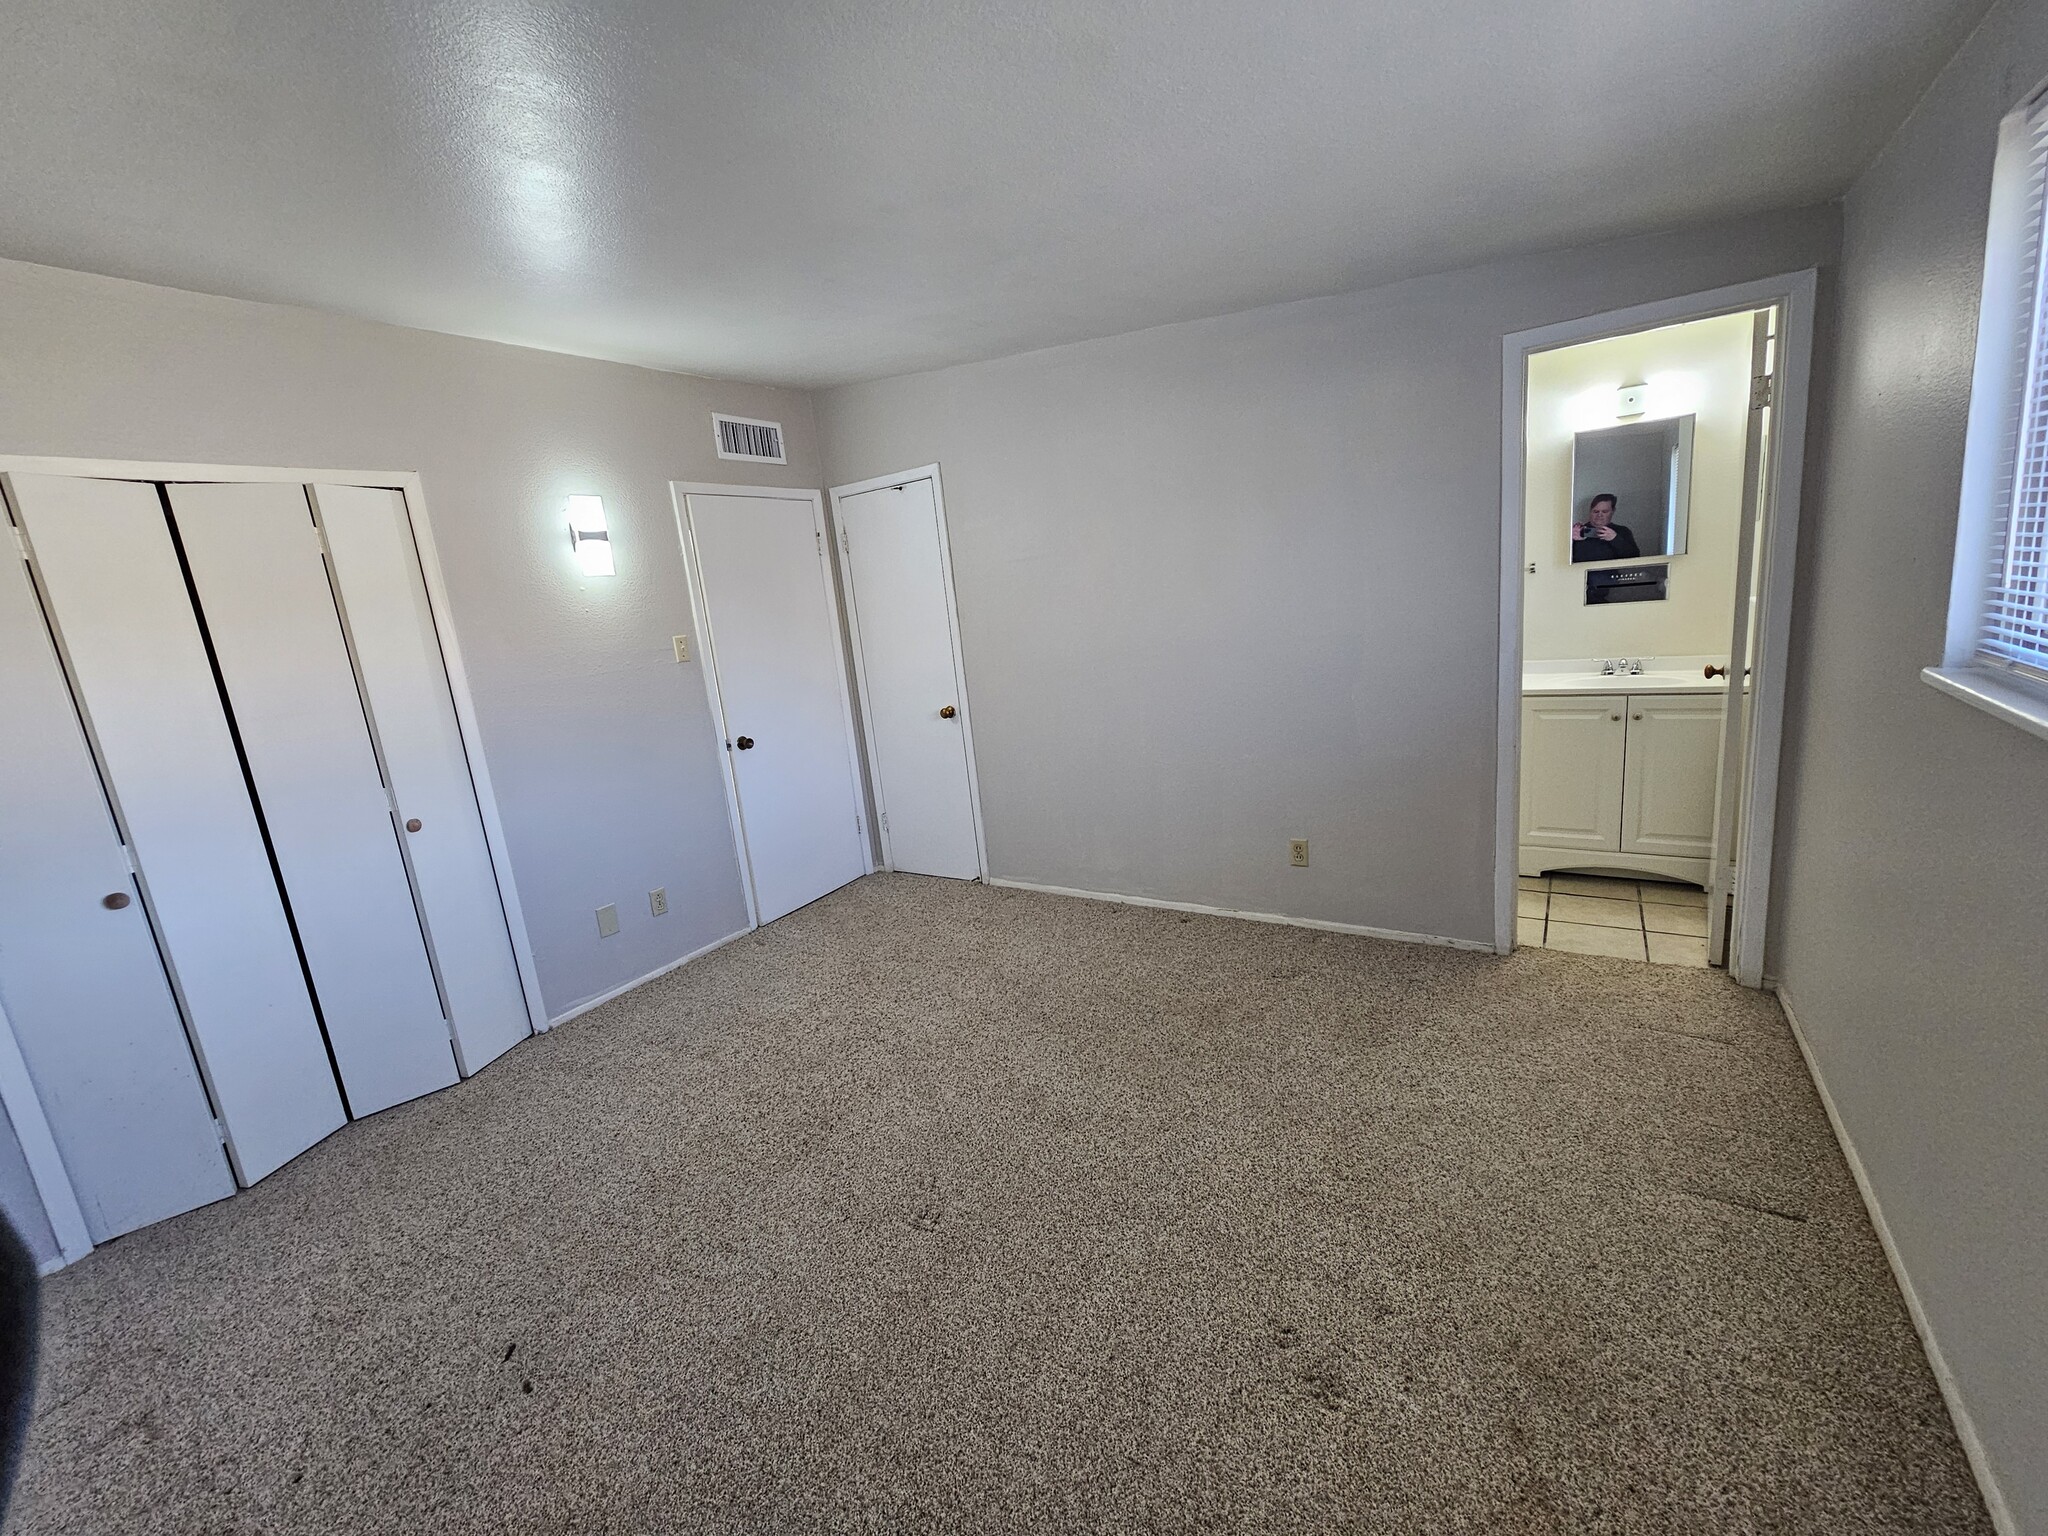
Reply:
x=947, y=712
x=412, y=824
x=1716, y=672
x=115, y=901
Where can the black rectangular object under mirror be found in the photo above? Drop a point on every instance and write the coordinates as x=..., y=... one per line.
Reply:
x=1627, y=584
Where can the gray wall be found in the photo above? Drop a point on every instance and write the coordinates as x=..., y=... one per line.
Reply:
x=601, y=746
x=1912, y=905
x=1235, y=581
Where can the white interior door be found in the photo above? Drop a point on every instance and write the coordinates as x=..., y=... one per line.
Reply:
x=91, y=1007
x=900, y=604
x=391, y=631
x=120, y=608
x=771, y=629
x=1729, y=800
x=257, y=567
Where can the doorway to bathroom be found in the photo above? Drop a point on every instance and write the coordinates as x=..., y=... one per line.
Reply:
x=1650, y=471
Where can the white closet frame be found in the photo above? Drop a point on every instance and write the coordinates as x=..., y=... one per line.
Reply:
x=17, y=1091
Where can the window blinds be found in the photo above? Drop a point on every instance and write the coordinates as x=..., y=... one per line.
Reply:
x=2014, y=622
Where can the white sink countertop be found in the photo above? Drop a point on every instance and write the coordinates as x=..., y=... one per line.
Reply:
x=1660, y=674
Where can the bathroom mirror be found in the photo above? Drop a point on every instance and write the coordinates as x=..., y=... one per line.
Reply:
x=1631, y=488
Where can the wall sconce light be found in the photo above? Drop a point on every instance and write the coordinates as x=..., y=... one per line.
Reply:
x=589, y=537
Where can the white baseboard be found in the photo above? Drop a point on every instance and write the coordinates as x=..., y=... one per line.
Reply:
x=1966, y=1428
x=1249, y=917
x=577, y=1010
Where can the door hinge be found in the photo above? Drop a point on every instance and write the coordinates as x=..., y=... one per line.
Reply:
x=883, y=818
x=220, y=1129
x=129, y=854
x=845, y=548
x=1760, y=392
x=20, y=539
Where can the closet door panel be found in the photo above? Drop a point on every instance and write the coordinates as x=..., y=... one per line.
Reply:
x=257, y=566
x=86, y=993
x=398, y=658
x=120, y=606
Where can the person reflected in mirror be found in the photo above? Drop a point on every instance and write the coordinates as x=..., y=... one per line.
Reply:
x=1600, y=537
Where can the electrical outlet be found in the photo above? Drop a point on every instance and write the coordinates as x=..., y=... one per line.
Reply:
x=1297, y=853
x=682, y=647
x=657, y=902
x=607, y=920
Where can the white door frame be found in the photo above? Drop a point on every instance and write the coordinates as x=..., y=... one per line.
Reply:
x=890, y=482
x=680, y=491
x=60, y=1201
x=1757, y=822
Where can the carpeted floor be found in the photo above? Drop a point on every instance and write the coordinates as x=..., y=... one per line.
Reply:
x=939, y=1208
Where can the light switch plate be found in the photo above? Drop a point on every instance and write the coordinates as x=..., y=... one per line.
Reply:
x=607, y=920
x=682, y=647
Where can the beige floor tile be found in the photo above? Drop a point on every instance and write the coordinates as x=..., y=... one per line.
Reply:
x=1596, y=911
x=1530, y=903
x=1529, y=930
x=1590, y=939
x=1686, y=920
x=1676, y=949
x=1673, y=895
x=1594, y=885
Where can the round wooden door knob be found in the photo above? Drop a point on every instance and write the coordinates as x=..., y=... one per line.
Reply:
x=413, y=825
x=115, y=901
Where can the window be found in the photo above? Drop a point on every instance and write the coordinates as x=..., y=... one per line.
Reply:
x=1997, y=651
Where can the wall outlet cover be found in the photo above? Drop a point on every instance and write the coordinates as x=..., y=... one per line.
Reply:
x=607, y=920
x=1297, y=853
x=657, y=901
x=682, y=647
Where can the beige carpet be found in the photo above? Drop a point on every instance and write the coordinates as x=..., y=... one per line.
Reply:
x=939, y=1208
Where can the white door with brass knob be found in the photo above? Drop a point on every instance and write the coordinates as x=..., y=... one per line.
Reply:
x=897, y=575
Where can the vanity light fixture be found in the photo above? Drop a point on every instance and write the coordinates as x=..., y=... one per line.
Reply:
x=589, y=537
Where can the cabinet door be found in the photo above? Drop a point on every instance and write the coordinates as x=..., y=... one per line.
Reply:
x=1571, y=772
x=1668, y=784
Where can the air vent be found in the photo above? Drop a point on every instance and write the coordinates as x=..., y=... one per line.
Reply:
x=759, y=442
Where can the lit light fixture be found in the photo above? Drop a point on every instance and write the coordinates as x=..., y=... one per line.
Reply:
x=589, y=537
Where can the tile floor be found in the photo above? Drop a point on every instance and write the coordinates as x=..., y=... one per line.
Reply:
x=1625, y=919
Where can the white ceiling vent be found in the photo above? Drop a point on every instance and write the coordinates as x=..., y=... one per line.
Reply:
x=759, y=442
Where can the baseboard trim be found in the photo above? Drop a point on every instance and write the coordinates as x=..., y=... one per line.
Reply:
x=1249, y=917
x=1966, y=1428
x=577, y=1010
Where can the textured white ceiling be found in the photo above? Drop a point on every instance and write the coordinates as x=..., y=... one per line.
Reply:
x=810, y=191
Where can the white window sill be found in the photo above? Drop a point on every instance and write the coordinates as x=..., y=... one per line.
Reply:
x=2007, y=697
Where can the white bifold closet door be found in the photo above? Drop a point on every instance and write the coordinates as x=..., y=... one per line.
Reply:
x=121, y=611
x=398, y=657
x=262, y=585
x=245, y=889
x=79, y=971
x=900, y=599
